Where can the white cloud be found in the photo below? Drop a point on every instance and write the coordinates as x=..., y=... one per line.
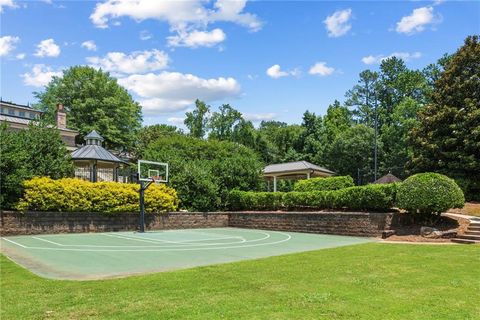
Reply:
x=40, y=76
x=195, y=38
x=257, y=117
x=135, y=62
x=176, y=13
x=7, y=3
x=417, y=21
x=176, y=120
x=7, y=44
x=20, y=56
x=174, y=91
x=321, y=69
x=276, y=72
x=145, y=35
x=406, y=56
x=89, y=45
x=338, y=23
x=47, y=48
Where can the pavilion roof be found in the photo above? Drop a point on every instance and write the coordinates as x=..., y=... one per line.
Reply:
x=296, y=166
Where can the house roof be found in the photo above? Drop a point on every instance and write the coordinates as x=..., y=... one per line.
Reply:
x=294, y=166
x=388, y=178
x=94, y=152
x=19, y=106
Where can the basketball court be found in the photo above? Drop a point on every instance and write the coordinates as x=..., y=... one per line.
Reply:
x=105, y=255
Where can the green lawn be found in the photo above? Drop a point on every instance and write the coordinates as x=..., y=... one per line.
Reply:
x=369, y=281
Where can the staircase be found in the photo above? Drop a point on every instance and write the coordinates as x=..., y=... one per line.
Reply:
x=471, y=236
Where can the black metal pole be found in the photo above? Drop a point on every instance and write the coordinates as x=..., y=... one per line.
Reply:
x=376, y=133
x=142, y=207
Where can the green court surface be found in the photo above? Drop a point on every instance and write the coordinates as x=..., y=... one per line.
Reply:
x=104, y=255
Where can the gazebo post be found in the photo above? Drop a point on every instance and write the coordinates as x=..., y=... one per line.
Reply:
x=274, y=183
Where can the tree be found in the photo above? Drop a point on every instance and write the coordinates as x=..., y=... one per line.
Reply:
x=36, y=151
x=196, y=121
x=149, y=134
x=352, y=153
x=310, y=139
x=94, y=101
x=363, y=97
x=221, y=165
x=448, y=137
x=223, y=122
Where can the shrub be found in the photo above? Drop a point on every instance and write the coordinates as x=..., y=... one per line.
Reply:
x=371, y=197
x=36, y=151
x=46, y=194
x=324, y=184
x=429, y=193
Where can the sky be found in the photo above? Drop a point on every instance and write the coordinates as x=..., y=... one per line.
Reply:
x=271, y=60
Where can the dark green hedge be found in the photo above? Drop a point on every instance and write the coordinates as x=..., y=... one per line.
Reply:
x=324, y=184
x=370, y=197
x=429, y=193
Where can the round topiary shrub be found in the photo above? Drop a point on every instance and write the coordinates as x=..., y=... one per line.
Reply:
x=429, y=193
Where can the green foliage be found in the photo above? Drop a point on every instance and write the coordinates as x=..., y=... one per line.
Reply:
x=370, y=197
x=196, y=121
x=351, y=153
x=196, y=186
x=149, y=134
x=447, y=139
x=324, y=184
x=93, y=101
x=222, y=166
x=75, y=195
x=36, y=151
x=429, y=193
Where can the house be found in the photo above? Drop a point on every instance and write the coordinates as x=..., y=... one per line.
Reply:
x=18, y=117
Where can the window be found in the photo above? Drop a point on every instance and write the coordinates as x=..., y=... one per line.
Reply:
x=21, y=114
x=3, y=110
x=32, y=115
x=11, y=112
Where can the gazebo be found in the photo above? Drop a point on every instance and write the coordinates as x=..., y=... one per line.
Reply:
x=295, y=171
x=94, y=163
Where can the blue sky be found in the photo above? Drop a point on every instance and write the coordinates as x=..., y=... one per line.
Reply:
x=268, y=59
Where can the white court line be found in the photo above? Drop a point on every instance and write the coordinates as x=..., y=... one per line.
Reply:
x=18, y=244
x=123, y=237
x=288, y=237
x=48, y=241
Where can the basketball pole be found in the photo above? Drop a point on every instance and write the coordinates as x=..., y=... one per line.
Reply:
x=143, y=186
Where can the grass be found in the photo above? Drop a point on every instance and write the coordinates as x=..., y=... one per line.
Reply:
x=370, y=281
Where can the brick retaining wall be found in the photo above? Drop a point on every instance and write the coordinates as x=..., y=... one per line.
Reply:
x=17, y=223
x=341, y=223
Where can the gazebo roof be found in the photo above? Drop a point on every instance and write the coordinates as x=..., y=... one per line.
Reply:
x=285, y=168
x=93, y=135
x=388, y=178
x=94, y=152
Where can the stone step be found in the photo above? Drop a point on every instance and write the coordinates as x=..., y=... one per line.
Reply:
x=473, y=228
x=469, y=236
x=472, y=232
x=465, y=241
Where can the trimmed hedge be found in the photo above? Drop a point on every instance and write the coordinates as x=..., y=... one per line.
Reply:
x=75, y=195
x=429, y=193
x=370, y=197
x=324, y=184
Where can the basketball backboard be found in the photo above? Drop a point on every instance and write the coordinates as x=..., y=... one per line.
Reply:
x=152, y=171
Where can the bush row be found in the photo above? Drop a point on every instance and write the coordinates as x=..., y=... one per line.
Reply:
x=324, y=184
x=370, y=197
x=74, y=195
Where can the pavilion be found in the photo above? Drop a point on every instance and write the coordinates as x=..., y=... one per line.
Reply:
x=94, y=163
x=294, y=171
